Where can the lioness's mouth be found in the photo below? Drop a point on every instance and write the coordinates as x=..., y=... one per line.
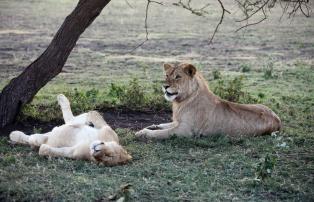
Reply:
x=96, y=150
x=171, y=94
x=95, y=147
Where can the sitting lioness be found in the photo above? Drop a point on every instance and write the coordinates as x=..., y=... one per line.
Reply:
x=76, y=139
x=197, y=111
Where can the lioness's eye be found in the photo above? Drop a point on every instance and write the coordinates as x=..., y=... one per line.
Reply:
x=178, y=77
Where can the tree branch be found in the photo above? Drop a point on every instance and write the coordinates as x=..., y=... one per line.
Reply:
x=196, y=11
x=256, y=11
x=255, y=23
x=146, y=24
x=128, y=3
x=249, y=8
x=220, y=21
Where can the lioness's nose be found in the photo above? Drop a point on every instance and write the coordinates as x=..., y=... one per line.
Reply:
x=166, y=86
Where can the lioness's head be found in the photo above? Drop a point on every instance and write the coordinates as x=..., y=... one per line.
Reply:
x=180, y=82
x=109, y=153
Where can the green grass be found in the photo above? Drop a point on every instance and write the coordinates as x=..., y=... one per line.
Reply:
x=204, y=169
x=176, y=169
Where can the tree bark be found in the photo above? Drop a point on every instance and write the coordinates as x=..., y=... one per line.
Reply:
x=23, y=88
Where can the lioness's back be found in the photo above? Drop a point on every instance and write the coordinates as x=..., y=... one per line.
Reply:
x=247, y=119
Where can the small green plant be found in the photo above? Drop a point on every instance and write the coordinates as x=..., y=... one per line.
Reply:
x=131, y=95
x=29, y=110
x=43, y=111
x=82, y=101
x=37, y=130
x=245, y=68
x=268, y=71
x=233, y=91
x=115, y=92
x=265, y=167
x=216, y=74
x=261, y=95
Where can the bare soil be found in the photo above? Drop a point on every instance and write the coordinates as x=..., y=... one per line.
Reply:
x=116, y=118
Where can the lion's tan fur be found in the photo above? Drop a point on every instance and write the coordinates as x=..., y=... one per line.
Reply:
x=197, y=111
x=76, y=139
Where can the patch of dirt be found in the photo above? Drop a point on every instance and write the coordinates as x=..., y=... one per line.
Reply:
x=125, y=118
x=116, y=118
x=28, y=126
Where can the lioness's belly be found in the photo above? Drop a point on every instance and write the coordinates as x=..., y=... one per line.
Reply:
x=68, y=136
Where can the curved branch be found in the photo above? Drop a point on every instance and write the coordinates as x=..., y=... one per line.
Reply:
x=128, y=3
x=220, y=21
x=146, y=24
x=255, y=23
x=196, y=11
x=307, y=13
x=256, y=11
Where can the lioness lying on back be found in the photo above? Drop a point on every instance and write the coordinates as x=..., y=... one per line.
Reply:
x=76, y=139
x=197, y=111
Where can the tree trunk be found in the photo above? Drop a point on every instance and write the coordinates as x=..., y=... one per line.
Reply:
x=23, y=88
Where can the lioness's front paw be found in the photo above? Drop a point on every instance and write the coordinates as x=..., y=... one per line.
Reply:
x=63, y=101
x=44, y=150
x=143, y=134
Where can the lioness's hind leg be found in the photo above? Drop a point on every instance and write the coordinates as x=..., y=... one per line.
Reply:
x=19, y=137
x=65, y=107
x=38, y=139
x=33, y=140
x=46, y=150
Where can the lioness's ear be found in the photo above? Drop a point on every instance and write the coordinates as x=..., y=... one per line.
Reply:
x=189, y=69
x=167, y=66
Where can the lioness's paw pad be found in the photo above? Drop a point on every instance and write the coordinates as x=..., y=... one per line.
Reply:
x=62, y=100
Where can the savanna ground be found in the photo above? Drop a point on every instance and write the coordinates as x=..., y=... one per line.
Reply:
x=271, y=63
